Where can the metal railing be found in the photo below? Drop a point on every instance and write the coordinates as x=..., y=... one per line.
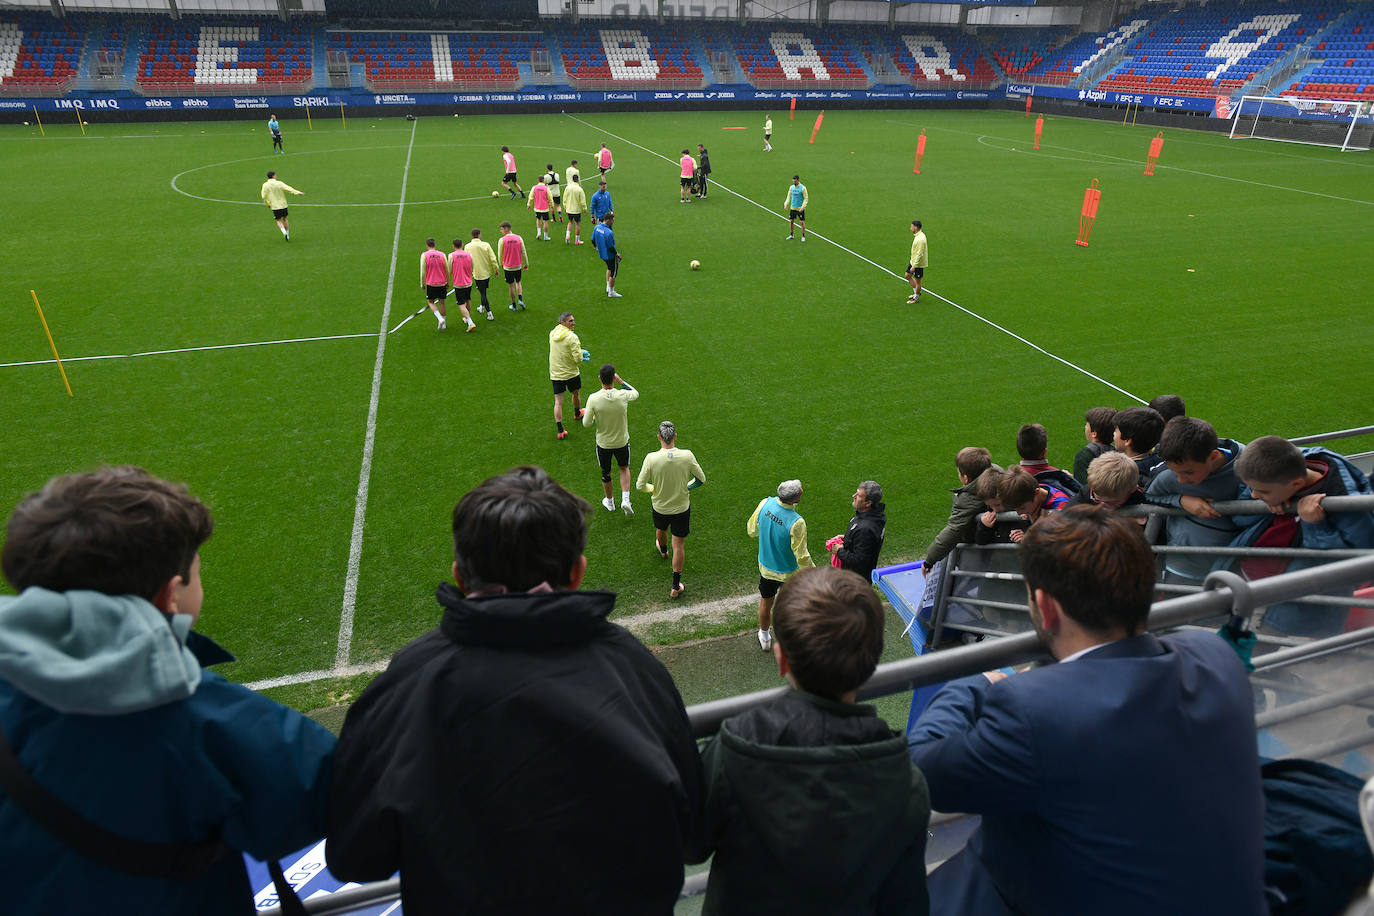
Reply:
x=179, y=89
x=407, y=84
x=661, y=82
x=811, y=85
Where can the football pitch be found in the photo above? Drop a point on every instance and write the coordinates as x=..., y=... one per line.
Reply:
x=202, y=346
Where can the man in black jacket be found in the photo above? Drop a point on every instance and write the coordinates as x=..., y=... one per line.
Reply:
x=864, y=538
x=527, y=755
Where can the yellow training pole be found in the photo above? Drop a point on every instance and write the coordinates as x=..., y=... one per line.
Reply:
x=342, y=120
x=41, y=131
x=308, y=125
x=1126, y=118
x=80, y=122
x=51, y=344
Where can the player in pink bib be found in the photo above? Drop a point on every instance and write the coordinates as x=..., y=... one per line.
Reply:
x=434, y=279
x=514, y=262
x=542, y=202
x=603, y=160
x=460, y=269
x=689, y=169
x=508, y=161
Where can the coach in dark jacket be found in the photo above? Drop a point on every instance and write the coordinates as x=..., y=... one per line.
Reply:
x=527, y=755
x=864, y=537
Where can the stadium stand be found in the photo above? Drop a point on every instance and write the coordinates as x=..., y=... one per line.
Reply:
x=772, y=58
x=38, y=52
x=1036, y=55
x=392, y=59
x=645, y=54
x=939, y=56
x=1345, y=60
x=206, y=54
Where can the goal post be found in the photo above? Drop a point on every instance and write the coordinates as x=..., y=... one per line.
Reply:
x=1343, y=124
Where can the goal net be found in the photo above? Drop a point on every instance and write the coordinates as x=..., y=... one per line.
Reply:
x=1346, y=125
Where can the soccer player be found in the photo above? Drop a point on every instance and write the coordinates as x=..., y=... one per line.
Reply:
x=609, y=411
x=508, y=161
x=566, y=357
x=434, y=279
x=603, y=160
x=704, y=171
x=483, y=267
x=603, y=237
x=689, y=168
x=795, y=202
x=767, y=133
x=555, y=189
x=601, y=202
x=274, y=195
x=514, y=261
x=920, y=260
x=668, y=475
x=460, y=269
x=575, y=206
x=542, y=202
x=572, y=172
x=275, y=128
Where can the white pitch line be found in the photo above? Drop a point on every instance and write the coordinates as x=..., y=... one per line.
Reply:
x=233, y=346
x=951, y=302
x=355, y=546
x=309, y=677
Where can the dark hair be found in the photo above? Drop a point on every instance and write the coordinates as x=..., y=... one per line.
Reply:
x=477, y=233
x=505, y=224
x=1141, y=425
x=271, y=174
x=1096, y=564
x=607, y=374
x=1016, y=488
x=1169, y=406
x=610, y=215
x=518, y=530
x=796, y=178
x=686, y=152
x=916, y=223
x=1271, y=459
x=505, y=149
x=118, y=530
x=1187, y=439
x=1099, y=420
x=549, y=166
x=830, y=623
x=988, y=482
x=430, y=241
x=972, y=460
x=1032, y=441
x=457, y=243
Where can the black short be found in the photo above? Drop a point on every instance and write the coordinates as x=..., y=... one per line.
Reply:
x=612, y=266
x=483, y=284
x=462, y=295
x=513, y=276
x=679, y=525
x=797, y=214
x=541, y=214
x=435, y=293
x=768, y=587
x=561, y=385
x=279, y=214
x=917, y=272
x=575, y=217
x=510, y=176
x=604, y=456
x=767, y=136
x=687, y=182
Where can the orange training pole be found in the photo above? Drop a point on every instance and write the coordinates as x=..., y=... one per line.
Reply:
x=1039, y=126
x=792, y=113
x=817, y=129
x=1156, y=145
x=1028, y=104
x=920, y=151
x=1089, y=213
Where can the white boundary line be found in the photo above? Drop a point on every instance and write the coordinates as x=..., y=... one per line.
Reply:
x=355, y=545
x=233, y=346
x=950, y=302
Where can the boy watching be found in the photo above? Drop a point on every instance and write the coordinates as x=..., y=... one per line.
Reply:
x=1199, y=468
x=1113, y=481
x=1292, y=482
x=989, y=530
x=1169, y=406
x=105, y=704
x=1019, y=492
x=971, y=462
x=1097, y=429
x=1032, y=444
x=812, y=803
x=1137, y=433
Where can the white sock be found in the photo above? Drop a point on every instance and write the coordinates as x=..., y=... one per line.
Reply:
x=283, y=229
x=624, y=496
x=469, y=321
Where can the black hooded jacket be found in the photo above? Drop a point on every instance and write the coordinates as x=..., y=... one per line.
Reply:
x=863, y=540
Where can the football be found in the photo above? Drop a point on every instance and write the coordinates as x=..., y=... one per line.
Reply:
x=695, y=265
x=495, y=193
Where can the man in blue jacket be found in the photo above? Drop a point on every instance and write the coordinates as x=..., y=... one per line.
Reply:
x=603, y=237
x=601, y=202
x=1122, y=779
x=106, y=708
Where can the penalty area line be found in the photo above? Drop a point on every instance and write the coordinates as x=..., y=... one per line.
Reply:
x=232, y=346
x=972, y=314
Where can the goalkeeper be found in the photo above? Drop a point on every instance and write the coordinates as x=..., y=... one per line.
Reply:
x=566, y=357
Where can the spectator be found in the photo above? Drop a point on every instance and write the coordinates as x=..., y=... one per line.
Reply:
x=1137, y=433
x=104, y=703
x=969, y=464
x=1200, y=468
x=1293, y=482
x=813, y=805
x=521, y=754
x=781, y=533
x=1021, y=493
x=991, y=529
x=1113, y=481
x=1098, y=429
x=863, y=539
x=1123, y=779
x=1033, y=444
x=1169, y=406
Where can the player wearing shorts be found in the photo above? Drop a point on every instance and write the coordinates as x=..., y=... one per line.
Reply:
x=767, y=134
x=572, y=172
x=920, y=260
x=782, y=548
x=609, y=411
x=566, y=357
x=274, y=195
x=509, y=182
x=603, y=236
x=669, y=475
x=484, y=265
x=689, y=168
x=434, y=279
x=603, y=161
x=514, y=262
x=460, y=272
x=542, y=202
x=795, y=202
x=574, y=206
x=555, y=190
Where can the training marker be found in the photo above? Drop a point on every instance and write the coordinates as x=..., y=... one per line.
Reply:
x=41, y=131
x=1089, y=213
x=1156, y=145
x=51, y=344
x=792, y=115
x=817, y=129
x=343, y=121
x=308, y=125
x=1039, y=126
x=920, y=151
x=1028, y=103
x=80, y=122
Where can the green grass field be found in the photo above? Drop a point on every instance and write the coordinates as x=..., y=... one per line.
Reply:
x=1237, y=277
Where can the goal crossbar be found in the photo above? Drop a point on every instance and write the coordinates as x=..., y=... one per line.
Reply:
x=1340, y=123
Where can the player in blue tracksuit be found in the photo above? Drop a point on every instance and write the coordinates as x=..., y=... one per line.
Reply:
x=603, y=237
x=600, y=202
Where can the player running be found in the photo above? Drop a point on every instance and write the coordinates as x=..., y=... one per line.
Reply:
x=514, y=261
x=508, y=161
x=795, y=202
x=434, y=280
x=274, y=195
x=460, y=270
x=767, y=133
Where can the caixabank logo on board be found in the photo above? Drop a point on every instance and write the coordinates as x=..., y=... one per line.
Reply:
x=619, y=96
x=1020, y=90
